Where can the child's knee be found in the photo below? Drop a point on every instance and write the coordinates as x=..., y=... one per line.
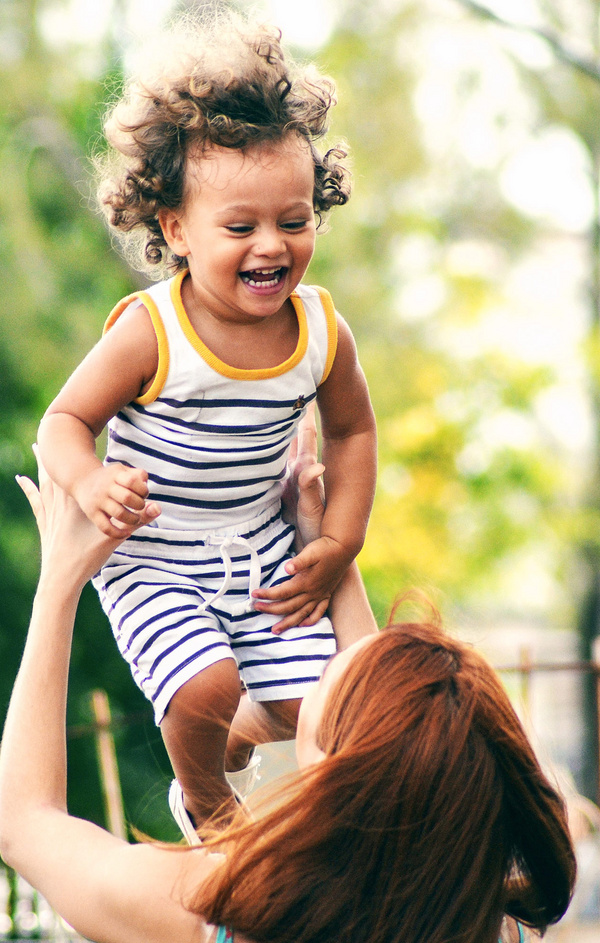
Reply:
x=284, y=712
x=211, y=695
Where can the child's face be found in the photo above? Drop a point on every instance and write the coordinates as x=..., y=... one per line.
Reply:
x=247, y=227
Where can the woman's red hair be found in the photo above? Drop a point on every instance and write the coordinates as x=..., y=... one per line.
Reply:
x=427, y=821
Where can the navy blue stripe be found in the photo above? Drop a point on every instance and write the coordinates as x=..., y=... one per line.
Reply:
x=236, y=450
x=160, y=539
x=185, y=563
x=115, y=579
x=256, y=685
x=195, y=633
x=261, y=429
x=287, y=660
x=197, y=466
x=164, y=615
x=215, y=485
x=206, y=505
x=237, y=403
x=187, y=662
x=155, y=617
x=167, y=628
x=247, y=642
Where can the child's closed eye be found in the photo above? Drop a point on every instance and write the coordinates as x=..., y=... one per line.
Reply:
x=294, y=225
x=240, y=229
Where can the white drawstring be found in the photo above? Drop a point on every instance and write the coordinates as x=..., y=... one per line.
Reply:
x=225, y=544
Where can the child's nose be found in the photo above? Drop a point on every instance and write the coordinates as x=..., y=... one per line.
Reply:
x=270, y=242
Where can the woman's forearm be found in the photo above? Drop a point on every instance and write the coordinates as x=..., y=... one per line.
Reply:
x=349, y=609
x=33, y=751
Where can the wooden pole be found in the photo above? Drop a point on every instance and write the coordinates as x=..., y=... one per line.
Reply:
x=525, y=669
x=107, y=761
x=596, y=669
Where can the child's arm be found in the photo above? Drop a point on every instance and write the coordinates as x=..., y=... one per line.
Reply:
x=349, y=456
x=349, y=609
x=114, y=373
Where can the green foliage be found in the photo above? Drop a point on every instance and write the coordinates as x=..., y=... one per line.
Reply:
x=62, y=277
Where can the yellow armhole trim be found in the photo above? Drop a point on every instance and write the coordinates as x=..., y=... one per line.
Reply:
x=236, y=373
x=160, y=376
x=332, y=331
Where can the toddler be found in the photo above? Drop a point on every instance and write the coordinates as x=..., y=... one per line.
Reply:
x=202, y=380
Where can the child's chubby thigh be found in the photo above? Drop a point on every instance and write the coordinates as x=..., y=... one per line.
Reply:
x=179, y=602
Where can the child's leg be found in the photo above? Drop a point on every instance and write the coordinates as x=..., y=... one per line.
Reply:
x=195, y=730
x=259, y=722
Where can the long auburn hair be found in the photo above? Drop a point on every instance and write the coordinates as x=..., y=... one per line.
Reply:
x=428, y=819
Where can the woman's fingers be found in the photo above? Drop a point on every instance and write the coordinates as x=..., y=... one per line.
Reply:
x=309, y=478
x=307, y=435
x=43, y=476
x=34, y=497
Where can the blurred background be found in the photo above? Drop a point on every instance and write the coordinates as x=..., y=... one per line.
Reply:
x=467, y=265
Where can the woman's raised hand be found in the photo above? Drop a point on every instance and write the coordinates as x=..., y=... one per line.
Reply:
x=304, y=496
x=72, y=547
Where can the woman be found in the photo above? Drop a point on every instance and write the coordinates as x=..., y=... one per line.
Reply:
x=421, y=814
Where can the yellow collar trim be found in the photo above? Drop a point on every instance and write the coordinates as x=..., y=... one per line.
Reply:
x=236, y=373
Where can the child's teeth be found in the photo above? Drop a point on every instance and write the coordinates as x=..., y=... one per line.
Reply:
x=263, y=283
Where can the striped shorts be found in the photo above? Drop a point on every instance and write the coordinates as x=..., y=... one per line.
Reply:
x=179, y=601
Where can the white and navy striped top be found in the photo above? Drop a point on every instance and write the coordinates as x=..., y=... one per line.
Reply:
x=214, y=438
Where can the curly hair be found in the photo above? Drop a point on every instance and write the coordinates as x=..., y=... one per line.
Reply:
x=221, y=81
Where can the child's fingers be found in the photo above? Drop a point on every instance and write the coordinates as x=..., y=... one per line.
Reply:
x=305, y=559
x=127, y=498
x=134, y=480
x=282, y=605
x=317, y=613
x=118, y=530
x=117, y=511
x=150, y=512
x=306, y=615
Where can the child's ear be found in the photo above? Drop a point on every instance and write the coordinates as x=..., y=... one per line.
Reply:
x=173, y=231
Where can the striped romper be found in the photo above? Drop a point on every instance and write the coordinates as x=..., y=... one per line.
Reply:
x=214, y=440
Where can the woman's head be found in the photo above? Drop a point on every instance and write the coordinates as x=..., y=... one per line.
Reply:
x=221, y=82
x=427, y=816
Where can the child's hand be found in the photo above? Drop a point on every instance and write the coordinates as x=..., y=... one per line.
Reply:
x=72, y=548
x=113, y=497
x=304, y=598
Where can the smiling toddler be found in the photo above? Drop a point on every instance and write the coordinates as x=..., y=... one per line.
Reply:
x=202, y=380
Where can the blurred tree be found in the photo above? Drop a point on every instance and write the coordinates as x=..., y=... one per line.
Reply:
x=61, y=277
x=473, y=482
x=467, y=476
x=567, y=96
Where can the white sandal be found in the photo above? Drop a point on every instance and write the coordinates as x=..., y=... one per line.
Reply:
x=181, y=814
x=242, y=781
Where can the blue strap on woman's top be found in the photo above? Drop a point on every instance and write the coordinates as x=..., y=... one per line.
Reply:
x=519, y=927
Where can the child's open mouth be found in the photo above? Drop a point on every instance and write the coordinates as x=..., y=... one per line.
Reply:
x=263, y=277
